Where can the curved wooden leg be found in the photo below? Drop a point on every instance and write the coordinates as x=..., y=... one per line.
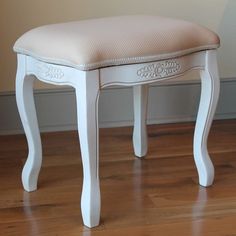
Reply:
x=26, y=108
x=87, y=94
x=140, y=94
x=208, y=102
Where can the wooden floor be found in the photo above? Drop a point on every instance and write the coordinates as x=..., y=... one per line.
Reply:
x=158, y=195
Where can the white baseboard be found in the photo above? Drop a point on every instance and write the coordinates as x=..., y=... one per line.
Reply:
x=168, y=103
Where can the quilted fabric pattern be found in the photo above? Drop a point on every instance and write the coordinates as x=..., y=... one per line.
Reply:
x=96, y=43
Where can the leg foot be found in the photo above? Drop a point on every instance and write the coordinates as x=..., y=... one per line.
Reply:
x=26, y=108
x=87, y=93
x=140, y=94
x=207, y=107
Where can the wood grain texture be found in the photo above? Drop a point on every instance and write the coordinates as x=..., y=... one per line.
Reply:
x=158, y=195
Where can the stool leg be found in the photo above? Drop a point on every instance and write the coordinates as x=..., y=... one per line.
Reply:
x=208, y=102
x=87, y=94
x=26, y=108
x=140, y=96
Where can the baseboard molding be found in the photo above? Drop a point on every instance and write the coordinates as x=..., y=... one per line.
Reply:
x=168, y=103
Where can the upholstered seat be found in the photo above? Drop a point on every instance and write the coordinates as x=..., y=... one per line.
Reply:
x=92, y=44
x=128, y=51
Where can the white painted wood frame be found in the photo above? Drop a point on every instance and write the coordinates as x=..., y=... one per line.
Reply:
x=87, y=85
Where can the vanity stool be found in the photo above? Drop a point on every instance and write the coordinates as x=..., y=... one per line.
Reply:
x=93, y=54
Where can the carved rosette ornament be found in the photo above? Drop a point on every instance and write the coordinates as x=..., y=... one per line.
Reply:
x=159, y=70
x=49, y=71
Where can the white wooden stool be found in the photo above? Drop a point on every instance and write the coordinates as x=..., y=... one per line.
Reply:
x=93, y=54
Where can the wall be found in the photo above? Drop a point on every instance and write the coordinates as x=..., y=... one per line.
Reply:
x=18, y=16
x=169, y=102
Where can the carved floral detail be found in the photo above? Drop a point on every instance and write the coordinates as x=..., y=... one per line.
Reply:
x=159, y=70
x=49, y=71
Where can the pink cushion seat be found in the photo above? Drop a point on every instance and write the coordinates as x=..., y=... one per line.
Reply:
x=96, y=43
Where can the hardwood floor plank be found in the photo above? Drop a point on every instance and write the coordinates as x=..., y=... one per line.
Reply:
x=156, y=195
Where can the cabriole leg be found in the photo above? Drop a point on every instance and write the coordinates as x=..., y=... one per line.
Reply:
x=208, y=102
x=140, y=95
x=26, y=108
x=87, y=94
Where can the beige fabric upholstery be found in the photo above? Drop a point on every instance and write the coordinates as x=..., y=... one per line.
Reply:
x=92, y=44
